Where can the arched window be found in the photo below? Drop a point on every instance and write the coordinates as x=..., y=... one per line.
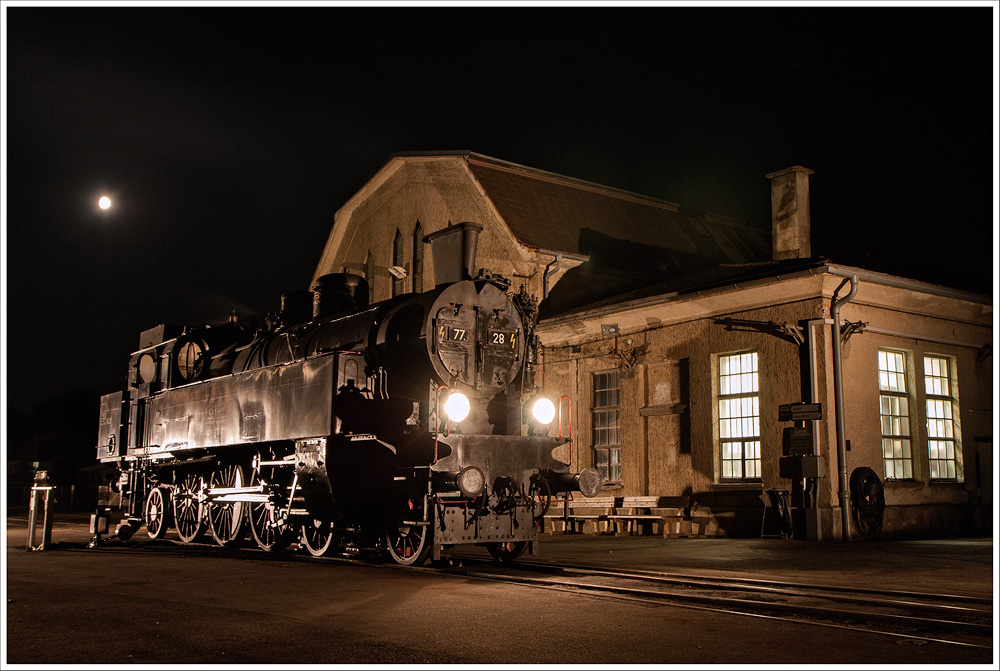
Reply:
x=418, y=259
x=370, y=276
x=398, y=282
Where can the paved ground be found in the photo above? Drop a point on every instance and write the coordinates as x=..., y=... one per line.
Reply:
x=150, y=603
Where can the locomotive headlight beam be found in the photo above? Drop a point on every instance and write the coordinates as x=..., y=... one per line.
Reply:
x=544, y=410
x=457, y=406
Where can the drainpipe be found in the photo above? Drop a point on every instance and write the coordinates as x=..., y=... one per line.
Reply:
x=838, y=398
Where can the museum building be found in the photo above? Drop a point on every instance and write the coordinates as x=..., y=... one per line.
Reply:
x=708, y=361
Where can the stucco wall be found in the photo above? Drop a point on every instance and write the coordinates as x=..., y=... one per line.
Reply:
x=435, y=193
x=670, y=453
x=919, y=505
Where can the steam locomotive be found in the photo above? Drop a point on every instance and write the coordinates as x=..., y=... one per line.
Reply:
x=401, y=427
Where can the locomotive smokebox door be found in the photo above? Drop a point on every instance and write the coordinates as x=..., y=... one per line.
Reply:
x=110, y=437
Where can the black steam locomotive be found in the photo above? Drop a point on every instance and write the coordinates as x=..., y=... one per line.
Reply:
x=401, y=427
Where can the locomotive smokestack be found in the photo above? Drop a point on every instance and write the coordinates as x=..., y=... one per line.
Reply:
x=453, y=251
x=337, y=293
x=296, y=307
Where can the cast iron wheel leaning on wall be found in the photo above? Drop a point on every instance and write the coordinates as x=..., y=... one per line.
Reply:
x=867, y=502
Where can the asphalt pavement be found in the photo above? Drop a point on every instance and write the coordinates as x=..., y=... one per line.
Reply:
x=154, y=602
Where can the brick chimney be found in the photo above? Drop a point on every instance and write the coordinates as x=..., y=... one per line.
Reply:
x=790, y=213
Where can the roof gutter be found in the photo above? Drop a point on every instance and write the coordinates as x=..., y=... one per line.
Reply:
x=821, y=269
x=646, y=301
x=557, y=258
x=904, y=283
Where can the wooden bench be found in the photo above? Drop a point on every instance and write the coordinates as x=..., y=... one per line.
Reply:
x=620, y=515
x=581, y=515
x=654, y=515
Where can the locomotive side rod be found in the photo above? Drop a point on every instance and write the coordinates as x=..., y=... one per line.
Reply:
x=236, y=494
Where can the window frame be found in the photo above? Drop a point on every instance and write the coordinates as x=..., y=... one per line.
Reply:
x=748, y=410
x=891, y=416
x=398, y=283
x=949, y=423
x=605, y=432
x=417, y=268
x=370, y=276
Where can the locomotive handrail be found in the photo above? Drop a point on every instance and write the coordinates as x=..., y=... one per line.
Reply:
x=437, y=419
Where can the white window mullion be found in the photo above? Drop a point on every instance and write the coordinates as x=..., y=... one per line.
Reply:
x=894, y=411
x=739, y=416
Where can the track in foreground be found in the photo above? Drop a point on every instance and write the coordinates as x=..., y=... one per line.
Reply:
x=915, y=618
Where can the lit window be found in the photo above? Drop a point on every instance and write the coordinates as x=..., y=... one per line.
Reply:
x=739, y=416
x=398, y=283
x=418, y=259
x=942, y=439
x=605, y=427
x=894, y=411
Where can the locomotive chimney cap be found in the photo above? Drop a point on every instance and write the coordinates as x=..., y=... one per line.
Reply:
x=453, y=252
x=453, y=229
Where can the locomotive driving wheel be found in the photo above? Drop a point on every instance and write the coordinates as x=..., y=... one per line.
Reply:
x=156, y=513
x=507, y=552
x=268, y=525
x=226, y=519
x=410, y=543
x=189, y=519
x=317, y=536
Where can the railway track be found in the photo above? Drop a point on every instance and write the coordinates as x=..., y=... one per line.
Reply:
x=914, y=618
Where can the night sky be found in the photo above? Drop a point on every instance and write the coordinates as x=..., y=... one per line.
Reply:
x=229, y=136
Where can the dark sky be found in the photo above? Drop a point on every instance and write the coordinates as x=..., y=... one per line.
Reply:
x=229, y=136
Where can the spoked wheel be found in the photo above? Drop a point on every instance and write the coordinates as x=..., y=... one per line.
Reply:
x=507, y=552
x=188, y=518
x=410, y=544
x=317, y=536
x=541, y=491
x=226, y=519
x=157, y=512
x=269, y=526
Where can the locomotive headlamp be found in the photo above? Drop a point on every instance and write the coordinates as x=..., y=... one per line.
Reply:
x=471, y=481
x=457, y=406
x=544, y=411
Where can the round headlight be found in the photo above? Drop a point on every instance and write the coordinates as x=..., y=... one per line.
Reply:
x=457, y=406
x=544, y=411
x=471, y=481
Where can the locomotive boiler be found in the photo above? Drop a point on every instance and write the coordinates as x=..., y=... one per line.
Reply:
x=407, y=426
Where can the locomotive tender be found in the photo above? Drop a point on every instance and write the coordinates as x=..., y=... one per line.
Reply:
x=401, y=426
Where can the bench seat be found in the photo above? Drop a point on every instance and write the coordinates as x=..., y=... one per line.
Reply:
x=622, y=515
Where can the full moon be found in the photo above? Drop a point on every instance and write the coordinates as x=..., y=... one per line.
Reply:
x=104, y=202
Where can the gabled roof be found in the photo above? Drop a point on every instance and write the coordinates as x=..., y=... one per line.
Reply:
x=553, y=212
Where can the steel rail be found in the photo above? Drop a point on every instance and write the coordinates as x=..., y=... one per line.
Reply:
x=763, y=582
x=747, y=607
x=831, y=593
x=823, y=616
